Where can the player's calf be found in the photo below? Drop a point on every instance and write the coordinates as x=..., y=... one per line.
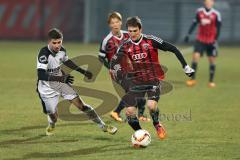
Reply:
x=52, y=119
x=161, y=132
x=132, y=118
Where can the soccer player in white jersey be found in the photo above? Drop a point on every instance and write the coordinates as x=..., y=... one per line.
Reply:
x=53, y=83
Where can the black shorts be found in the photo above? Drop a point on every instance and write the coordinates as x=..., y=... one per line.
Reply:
x=201, y=48
x=140, y=91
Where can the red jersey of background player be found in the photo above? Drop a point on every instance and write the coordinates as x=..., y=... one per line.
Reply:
x=143, y=58
x=111, y=43
x=207, y=20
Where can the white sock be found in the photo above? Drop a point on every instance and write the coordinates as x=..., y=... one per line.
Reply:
x=50, y=122
x=91, y=113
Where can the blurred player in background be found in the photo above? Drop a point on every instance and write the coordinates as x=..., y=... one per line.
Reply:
x=108, y=48
x=146, y=73
x=209, y=23
x=53, y=82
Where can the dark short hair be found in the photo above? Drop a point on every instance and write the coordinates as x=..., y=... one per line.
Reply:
x=134, y=22
x=55, y=33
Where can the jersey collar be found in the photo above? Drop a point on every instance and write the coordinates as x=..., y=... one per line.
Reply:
x=52, y=52
x=207, y=12
x=119, y=38
x=139, y=41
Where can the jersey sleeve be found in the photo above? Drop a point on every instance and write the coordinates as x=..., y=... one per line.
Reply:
x=218, y=24
x=42, y=60
x=65, y=57
x=219, y=17
x=116, y=68
x=102, y=49
x=196, y=19
x=157, y=42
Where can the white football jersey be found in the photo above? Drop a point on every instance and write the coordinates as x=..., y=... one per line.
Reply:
x=50, y=62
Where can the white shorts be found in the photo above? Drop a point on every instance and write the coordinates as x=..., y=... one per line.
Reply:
x=49, y=104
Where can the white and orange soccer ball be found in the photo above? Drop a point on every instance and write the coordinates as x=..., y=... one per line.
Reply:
x=141, y=138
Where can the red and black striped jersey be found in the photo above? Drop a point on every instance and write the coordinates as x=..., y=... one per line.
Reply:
x=207, y=20
x=111, y=43
x=143, y=58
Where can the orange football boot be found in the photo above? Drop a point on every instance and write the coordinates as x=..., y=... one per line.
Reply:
x=161, y=132
x=116, y=116
x=211, y=85
x=191, y=83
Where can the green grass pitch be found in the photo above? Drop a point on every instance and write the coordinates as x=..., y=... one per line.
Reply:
x=202, y=123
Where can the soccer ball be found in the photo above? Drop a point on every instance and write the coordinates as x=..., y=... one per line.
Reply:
x=141, y=138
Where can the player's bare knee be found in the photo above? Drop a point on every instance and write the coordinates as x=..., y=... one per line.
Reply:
x=130, y=111
x=152, y=105
x=211, y=59
x=196, y=57
x=152, y=108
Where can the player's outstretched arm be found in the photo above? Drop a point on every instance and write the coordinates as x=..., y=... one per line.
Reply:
x=169, y=47
x=191, y=29
x=218, y=25
x=73, y=66
x=43, y=75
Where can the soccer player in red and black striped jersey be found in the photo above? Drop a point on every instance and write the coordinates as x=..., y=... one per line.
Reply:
x=112, y=41
x=209, y=23
x=107, y=49
x=145, y=73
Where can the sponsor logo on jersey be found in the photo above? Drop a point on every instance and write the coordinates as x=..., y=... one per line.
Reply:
x=205, y=21
x=54, y=70
x=212, y=16
x=139, y=56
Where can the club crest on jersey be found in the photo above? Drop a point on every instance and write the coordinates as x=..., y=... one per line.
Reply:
x=43, y=59
x=110, y=46
x=146, y=46
x=139, y=56
x=201, y=15
x=60, y=59
x=212, y=17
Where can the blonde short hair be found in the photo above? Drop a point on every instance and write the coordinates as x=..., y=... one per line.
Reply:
x=114, y=15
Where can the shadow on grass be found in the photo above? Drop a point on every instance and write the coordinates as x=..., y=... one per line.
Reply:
x=21, y=141
x=79, y=152
x=9, y=131
x=32, y=140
